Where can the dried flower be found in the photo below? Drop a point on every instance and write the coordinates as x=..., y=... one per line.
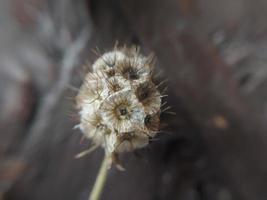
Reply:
x=119, y=103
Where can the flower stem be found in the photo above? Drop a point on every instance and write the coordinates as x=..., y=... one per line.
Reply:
x=100, y=181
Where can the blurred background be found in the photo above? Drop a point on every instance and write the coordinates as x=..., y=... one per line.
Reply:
x=213, y=54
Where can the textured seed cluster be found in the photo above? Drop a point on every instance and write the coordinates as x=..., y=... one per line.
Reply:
x=118, y=102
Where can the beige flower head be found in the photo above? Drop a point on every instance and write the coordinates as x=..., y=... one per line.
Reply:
x=118, y=102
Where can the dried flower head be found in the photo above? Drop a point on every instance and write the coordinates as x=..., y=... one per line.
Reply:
x=119, y=103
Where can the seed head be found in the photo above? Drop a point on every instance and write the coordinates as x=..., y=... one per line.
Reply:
x=118, y=102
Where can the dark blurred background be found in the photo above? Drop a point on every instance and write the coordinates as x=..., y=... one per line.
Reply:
x=213, y=54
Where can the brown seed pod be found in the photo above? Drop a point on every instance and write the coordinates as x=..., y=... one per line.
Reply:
x=149, y=96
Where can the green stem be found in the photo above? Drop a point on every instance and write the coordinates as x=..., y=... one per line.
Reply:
x=100, y=181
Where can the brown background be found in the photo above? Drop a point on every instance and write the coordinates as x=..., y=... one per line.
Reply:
x=213, y=54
